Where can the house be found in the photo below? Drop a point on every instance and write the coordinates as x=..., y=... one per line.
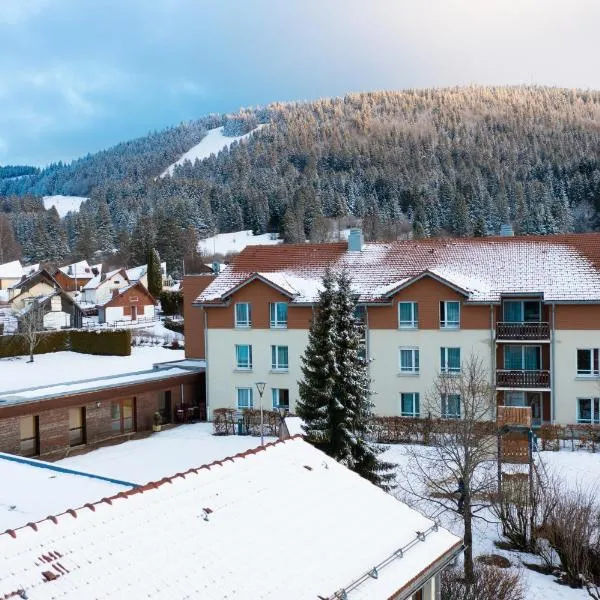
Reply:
x=72, y=278
x=201, y=534
x=140, y=274
x=528, y=307
x=52, y=418
x=40, y=283
x=57, y=310
x=130, y=303
x=100, y=288
x=12, y=272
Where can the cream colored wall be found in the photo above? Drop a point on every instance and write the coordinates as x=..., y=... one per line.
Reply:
x=104, y=291
x=568, y=385
x=6, y=282
x=39, y=289
x=386, y=381
x=223, y=378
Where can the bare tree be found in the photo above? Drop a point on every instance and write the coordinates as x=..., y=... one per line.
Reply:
x=450, y=473
x=31, y=325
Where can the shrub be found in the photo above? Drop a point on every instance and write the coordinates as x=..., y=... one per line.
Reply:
x=110, y=343
x=51, y=341
x=491, y=583
x=171, y=303
x=176, y=326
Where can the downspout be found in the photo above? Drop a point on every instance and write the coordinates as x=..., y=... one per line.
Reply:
x=207, y=401
x=493, y=354
x=552, y=366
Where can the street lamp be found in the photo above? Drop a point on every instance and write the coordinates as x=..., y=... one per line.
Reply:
x=260, y=386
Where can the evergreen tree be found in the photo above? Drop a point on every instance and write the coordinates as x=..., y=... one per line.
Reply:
x=154, y=273
x=334, y=394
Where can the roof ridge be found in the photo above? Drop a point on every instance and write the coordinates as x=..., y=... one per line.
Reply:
x=151, y=485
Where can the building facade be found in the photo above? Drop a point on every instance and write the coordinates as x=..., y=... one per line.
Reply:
x=527, y=307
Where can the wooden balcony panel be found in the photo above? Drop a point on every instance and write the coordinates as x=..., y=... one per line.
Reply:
x=514, y=416
x=515, y=451
x=522, y=379
x=522, y=331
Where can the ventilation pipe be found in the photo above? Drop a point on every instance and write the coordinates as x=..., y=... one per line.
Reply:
x=355, y=240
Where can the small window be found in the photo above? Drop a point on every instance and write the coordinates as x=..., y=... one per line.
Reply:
x=243, y=356
x=244, y=398
x=409, y=360
x=281, y=398
x=450, y=360
x=587, y=362
x=408, y=315
x=279, y=358
x=450, y=406
x=242, y=314
x=449, y=314
x=588, y=411
x=409, y=404
x=278, y=314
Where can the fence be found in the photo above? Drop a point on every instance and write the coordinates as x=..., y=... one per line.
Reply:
x=228, y=421
x=120, y=324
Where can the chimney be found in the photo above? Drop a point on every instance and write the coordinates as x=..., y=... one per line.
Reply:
x=355, y=240
x=216, y=267
x=506, y=230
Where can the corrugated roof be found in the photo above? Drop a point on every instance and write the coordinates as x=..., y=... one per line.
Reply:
x=564, y=268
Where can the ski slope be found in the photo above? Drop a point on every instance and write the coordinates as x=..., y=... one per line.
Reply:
x=64, y=204
x=212, y=143
x=225, y=243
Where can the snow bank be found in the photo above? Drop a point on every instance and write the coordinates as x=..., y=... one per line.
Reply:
x=212, y=143
x=224, y=243
x=64, y=204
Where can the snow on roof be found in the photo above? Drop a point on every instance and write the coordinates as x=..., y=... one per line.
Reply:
x=96, y=281
x=212, y=143
x=11, y=270
x=294, y=425
x=203, y=535
x=562, y=268
x=136, y=273
x=79, y=269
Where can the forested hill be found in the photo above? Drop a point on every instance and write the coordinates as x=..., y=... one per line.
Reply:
x=454, y=161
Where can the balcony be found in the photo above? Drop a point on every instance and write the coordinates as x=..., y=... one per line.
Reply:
x=523, y=331
x=514, y=416
x=522, y=380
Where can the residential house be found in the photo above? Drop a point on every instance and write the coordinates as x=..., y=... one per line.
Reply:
x=38, y=284
x=130, y=303
x=13, y=272
x=202, y=533
x=99, y=289
x=72, y=278
x=527, y=307
x=55, y=310
x=140, y=274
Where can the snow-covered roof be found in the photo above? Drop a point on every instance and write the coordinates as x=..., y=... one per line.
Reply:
x=123, y=290
x=563, y=268
x=203, y=536
x=136, y=273
x=98, y=280
x=79, y=269
x=11, y=270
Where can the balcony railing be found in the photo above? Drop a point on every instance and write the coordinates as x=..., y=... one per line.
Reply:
x=523, y=331
x=514, y=416
x=521, y=379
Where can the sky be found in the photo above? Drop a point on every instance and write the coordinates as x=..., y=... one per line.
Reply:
x=79, y=76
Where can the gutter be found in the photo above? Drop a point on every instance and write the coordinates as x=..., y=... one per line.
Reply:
x=552, y=368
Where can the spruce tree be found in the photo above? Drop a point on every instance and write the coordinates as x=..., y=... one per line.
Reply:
x=154, y=273
x=334, y=394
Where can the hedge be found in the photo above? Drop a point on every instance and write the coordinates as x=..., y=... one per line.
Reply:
x=112, y=343
x=176, y=326
x=171, y=303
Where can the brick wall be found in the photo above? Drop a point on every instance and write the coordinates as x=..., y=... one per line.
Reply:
x=54, y=430
x=10, y=435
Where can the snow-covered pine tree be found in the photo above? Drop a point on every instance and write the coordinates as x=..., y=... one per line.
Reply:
x=154, y=273
x=352, y=389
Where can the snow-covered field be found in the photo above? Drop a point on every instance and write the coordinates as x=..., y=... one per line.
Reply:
x=64, y=204
x=579, y=468
x=62, y=367
x=212, y=143
x=224, y=243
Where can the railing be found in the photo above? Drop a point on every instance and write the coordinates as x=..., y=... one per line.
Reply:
x=514, y=416
x=522, y=379
x=523, y=331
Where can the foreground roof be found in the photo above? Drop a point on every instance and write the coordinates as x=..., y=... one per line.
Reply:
x=563, y=268
x=281, y=521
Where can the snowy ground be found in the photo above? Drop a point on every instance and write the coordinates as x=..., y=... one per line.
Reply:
x=576, y=468
x=64, y=204
x=212, y=143
x=61, y=367
x=224, y=243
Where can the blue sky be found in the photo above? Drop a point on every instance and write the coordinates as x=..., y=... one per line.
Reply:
x=79, y=76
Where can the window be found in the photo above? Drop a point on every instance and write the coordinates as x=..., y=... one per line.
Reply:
x=122, y=415
x=409, y=360
x=450, y=360
x=278, y=313
x=76, y=426
x=450, y=406
x=242, y=314
x=519, y=358
x=522, y=311
x=279, y=358
x=281, y=397
x=409, y=404
x=514, y=398
x=244, y=398
x=243, y=356
x=408, y=315
x=30, y=435
x=449, y=314
x=587, y=361
x=588, y=410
